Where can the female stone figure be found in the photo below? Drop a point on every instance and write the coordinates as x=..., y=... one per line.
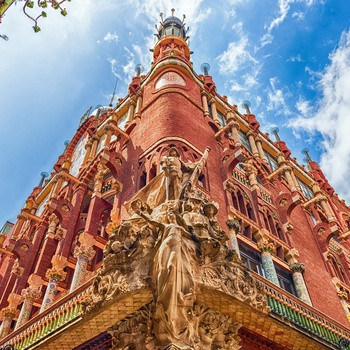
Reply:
x=174, y=282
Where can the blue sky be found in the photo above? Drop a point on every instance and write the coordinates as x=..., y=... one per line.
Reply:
x=289, y=58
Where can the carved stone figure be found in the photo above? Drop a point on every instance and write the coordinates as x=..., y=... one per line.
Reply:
x=174, y=280
x=173, y=246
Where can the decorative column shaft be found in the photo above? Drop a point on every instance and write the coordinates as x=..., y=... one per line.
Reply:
x=8, y=313
x=54, y=275
x=131, y=111
x=87, y=152
x=95, y=140
x=296, y=184
x=260, y=149
x=83, y=253
x=30, y=294
x=287, y=173
x=20, y=222
x=110, y=129
x=252, y=144
x=327, y=208
x=234, y=227
x=298, y=269
x=138, y=106
x=205, y=104
x=267, y=248
x=234, y=132
x=343, y=296
x=213, y=110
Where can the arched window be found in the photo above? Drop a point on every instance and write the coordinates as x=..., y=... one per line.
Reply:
x=153, y=172
x=337, y=268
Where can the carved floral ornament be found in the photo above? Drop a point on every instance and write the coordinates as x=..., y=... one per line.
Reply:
x=173, y=244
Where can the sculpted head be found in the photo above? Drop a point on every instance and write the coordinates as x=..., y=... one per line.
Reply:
x=173, y=152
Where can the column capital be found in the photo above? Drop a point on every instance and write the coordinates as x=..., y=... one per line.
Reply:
x=84, y=251
x=211, y=100
x=58, y=264
x=297, y=267
x=31, y=293
x=233, y=225
x=110, y=127
x=10, y=312
x=88, y=144
x=266, y=246
x=21, y=216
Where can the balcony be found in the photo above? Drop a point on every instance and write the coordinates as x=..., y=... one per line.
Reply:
x=45, y=331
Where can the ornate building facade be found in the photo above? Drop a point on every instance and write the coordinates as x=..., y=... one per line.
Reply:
x=172, y=222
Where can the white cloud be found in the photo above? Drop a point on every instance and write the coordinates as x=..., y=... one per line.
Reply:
x=276, y=98
x=296, y=58
x=304, y=107
x=284, y=7
x=331, y=118
x=109, y=37
x=235, y=57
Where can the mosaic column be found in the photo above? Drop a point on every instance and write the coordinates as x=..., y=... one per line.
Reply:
x=8, y=313
x=83, y=253
x=54, y=275
x=298, y=269
x=234, y=227
x=267, y=248
x=30, y=294
x=343, y=296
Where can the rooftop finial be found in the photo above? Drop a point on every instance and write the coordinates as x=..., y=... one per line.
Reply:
x=307, y=156
x=161, y=17
x=246, y=105
x=205, y=67
x=183, y=18
x=172, y=12
x=275, y=132
x=43, y=175
x=66, y=143
x=138, y=69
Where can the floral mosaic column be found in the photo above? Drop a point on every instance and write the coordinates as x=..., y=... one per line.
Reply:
x=234, y=227
x=8, y=313
x=30, y=294
x=54, y=275
x=267, y=248
x=83, y=253
x=298, y=269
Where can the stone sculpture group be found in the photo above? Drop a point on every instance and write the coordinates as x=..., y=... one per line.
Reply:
x=173, y=244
